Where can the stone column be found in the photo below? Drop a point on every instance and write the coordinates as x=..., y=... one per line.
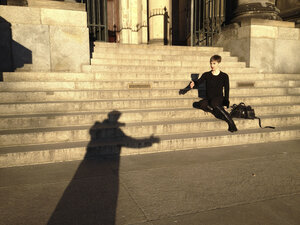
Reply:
x=290, y=10
x=261, y=9
x=144, y=28
x=159, y=31
x=125, y=23
x=133, y=21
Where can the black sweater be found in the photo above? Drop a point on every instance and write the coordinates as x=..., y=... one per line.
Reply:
x=215, y=84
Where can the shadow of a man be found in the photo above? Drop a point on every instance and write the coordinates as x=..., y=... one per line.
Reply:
x=91, y=196
x=13, y=55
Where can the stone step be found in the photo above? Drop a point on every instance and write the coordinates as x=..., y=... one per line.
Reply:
x=141, y=94
x=204, y=57
x=127, y=116
x=56, y=5
x=169, y=51
x=167, y=63
x=15, y=88
x=24, y=68
x=105, y=130
x=119, y=104
x=113, y=46
x=189, y=70
x=132, y=76
x=57, y=152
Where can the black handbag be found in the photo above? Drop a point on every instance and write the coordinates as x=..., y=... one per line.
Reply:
x=246, y=112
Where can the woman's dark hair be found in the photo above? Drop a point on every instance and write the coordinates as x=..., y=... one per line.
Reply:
x=216, y=58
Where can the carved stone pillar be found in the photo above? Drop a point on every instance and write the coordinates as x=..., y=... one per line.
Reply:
x=261, y=9
x=133, y=22
x=159, y=21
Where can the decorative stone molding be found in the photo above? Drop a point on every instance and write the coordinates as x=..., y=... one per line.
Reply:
x=256, y=9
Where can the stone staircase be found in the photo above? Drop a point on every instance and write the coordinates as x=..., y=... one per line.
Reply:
x=50, y=117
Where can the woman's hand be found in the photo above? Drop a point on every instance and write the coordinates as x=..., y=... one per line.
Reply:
x=192, y=84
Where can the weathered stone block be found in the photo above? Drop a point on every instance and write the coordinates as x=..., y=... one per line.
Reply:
x=57, y=17
x=288, y=33
x=69, y=48
x=125, y=37
x=244, y=32
x=262, y=54
x=21, y=15
x=65, y=5
x=285, y=54
x=258, y=31
x=274, y=23
x=134, y=37
x=230, y=31
x=34, y=49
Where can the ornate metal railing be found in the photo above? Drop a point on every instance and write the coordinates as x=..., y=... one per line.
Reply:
x=208, y=17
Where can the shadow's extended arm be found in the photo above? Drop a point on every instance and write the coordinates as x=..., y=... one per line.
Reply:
x=141, y=143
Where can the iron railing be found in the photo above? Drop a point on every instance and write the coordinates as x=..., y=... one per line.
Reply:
x=209, y=15
x=97, y=19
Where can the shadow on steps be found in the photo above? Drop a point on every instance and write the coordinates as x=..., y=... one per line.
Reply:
x=92, y=195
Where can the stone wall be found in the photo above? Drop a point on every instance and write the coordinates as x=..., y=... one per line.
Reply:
x=56, y=40
x=271, y=46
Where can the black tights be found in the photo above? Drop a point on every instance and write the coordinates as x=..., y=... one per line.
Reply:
x=215, y=106
x=205, y=103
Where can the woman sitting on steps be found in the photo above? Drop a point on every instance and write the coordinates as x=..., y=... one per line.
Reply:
x=214, y=101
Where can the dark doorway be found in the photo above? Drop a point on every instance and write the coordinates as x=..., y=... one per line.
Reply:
x=181, y=22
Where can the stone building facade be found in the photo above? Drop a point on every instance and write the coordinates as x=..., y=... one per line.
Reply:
x=145, y=21
x=171, y=21
x=263, y=33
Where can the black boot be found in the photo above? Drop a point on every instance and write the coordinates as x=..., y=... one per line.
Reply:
x=225, y=116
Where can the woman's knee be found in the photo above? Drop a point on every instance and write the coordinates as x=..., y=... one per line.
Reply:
x=196, y=105
x=216, y=102
x=201, y=105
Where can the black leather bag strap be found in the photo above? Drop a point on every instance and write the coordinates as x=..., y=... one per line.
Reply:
x=259, y=122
